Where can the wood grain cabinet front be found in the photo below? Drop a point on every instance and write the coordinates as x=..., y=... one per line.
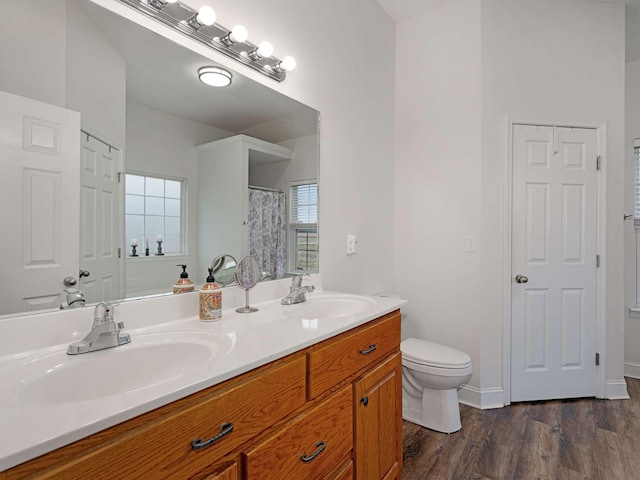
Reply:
x=229, y=472
x=378, y=421
x=331, y=411
x=180, y=444
x=335, y=360
x=309, y=447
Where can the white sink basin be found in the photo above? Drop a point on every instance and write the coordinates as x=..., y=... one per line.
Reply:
x=150, y=359
x=329, y=306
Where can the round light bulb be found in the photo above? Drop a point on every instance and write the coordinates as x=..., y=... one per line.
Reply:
x=239, y=34
x=288, y=64
x=206, y=16
x=265, y=50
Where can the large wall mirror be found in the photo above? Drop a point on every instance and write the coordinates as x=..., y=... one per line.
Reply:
x=108, y=140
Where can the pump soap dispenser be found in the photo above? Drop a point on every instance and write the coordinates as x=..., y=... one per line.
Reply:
x=210, y=299
x=184, y=285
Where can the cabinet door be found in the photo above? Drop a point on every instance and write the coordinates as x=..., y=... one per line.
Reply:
x=378, y=422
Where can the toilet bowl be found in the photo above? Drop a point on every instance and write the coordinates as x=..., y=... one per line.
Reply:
x=431, y=376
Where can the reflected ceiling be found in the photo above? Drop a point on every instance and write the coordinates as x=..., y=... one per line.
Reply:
x=241, y=107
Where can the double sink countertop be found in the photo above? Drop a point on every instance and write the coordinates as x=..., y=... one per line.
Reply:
x=50, y=399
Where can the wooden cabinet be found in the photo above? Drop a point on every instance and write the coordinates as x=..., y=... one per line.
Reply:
x=378, y=433
x=338, y=359
x=301, y=417
x=310, y=446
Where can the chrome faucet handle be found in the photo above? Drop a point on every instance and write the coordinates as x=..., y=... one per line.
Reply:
x=296, y=282
x=103, y=313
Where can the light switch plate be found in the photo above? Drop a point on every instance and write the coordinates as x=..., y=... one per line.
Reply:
x=352, y=244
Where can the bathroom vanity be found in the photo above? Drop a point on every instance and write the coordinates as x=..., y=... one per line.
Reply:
x=328, y=410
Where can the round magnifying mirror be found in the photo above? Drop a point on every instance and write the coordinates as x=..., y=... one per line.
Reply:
x=223, y=269
x=247, y=275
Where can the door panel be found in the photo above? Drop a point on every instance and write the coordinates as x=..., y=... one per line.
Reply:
x=553, y=318
x=39, y=176
x=100, y=232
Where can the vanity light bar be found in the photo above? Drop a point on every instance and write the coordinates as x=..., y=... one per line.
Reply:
x=182, y=18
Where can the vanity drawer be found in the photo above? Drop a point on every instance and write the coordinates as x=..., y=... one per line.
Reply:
x=281, y=455
x=163, y=448
x=334, y=360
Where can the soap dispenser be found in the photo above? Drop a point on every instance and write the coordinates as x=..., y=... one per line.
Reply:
x=183, y=285
x=210, y=299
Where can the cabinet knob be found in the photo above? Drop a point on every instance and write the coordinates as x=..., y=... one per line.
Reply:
x=364, y=401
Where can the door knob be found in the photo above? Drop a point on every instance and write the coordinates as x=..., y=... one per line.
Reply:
x=69, y=281
x=521, y=279
x=84, y=273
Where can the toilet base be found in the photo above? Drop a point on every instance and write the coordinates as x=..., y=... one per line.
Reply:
x=437, y=409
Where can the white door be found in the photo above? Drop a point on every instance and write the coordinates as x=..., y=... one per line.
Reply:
x=100, y=214
x=39, y=194
x=553, y=317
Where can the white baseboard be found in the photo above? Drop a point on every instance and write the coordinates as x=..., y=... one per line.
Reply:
x=631, y=370
x=616, y=389
x=483, y=399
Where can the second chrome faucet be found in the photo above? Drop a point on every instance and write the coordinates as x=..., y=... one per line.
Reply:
x=297, y=292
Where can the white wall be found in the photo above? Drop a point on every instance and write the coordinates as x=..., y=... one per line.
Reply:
x=558, y=60
x=33, y=65
x=94, y=65
x=551, y=59
x=302, y=166
x=632, y=324
x=437, y=176
x=351, y=83
x=161, y=143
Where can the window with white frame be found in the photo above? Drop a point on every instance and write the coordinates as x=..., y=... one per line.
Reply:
x=303, y=226
x=154, y=211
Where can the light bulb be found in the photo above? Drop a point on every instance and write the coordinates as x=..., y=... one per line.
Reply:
x=239, y=34
x=206, y=16
x=265, y=50
x=288, y=64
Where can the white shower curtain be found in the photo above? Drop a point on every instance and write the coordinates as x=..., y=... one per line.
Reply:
x=267, y=231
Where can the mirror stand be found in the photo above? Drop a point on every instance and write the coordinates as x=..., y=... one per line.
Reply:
x=246, y=308
x=247, y=276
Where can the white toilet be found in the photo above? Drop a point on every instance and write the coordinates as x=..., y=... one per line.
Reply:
x=431, y=376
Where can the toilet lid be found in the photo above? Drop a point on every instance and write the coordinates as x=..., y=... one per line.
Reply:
x=433, y=354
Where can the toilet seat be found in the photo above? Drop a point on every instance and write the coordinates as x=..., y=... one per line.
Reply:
x=429, y=354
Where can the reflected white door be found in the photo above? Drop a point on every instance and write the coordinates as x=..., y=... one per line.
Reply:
x=553, y=318
x=100, y=220
x=39, y=194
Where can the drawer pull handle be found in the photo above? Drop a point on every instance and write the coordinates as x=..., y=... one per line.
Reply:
x=226, y=428
x=365, y=401
x=371, y=348
x=321, y=446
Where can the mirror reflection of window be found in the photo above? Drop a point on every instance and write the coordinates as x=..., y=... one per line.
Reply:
x=636, y=183
x=303, y=226
x=153, y=211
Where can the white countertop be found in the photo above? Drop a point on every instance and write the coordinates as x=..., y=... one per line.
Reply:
x=33, y=426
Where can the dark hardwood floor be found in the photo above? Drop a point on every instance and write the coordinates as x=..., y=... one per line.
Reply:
x=559, y=439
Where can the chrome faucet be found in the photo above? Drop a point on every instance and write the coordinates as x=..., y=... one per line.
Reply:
x=297, y=293
x=75, y=299
x=105, y=332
